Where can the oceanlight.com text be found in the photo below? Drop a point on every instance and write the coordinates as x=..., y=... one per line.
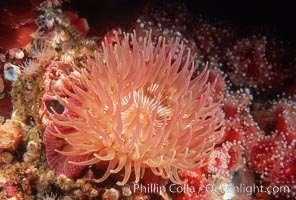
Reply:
x=247, y=189
x=209, y=188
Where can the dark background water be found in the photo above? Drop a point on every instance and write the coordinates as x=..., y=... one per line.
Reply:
x=277, y=17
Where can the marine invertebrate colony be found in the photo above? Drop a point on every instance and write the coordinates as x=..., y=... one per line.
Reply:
x=132, y=106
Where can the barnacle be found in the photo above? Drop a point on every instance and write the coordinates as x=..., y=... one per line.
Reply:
x=11, y=133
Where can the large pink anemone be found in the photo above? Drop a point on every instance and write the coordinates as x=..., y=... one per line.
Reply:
x=133, y=106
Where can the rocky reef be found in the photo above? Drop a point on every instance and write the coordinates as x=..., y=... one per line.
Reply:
x=166, y=104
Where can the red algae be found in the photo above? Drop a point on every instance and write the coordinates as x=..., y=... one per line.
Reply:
x=5, y=98
x=16, y=23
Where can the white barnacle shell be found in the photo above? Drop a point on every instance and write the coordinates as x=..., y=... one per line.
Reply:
x=11, y=72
